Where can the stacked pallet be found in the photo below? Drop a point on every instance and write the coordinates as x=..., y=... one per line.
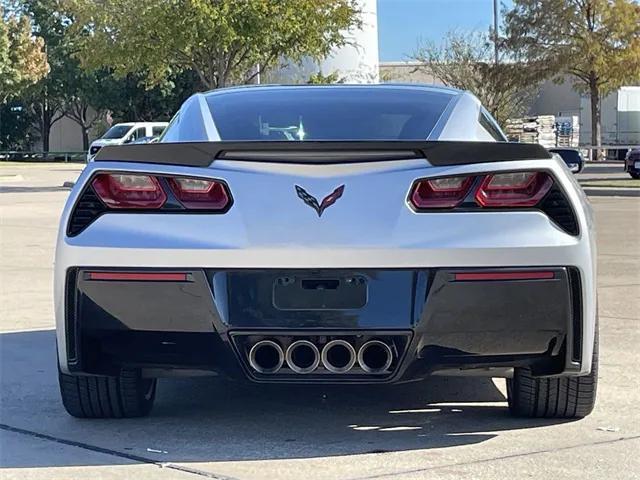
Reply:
x=539, y=129
x=567, y=131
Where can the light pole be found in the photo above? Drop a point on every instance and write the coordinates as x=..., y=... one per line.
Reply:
x=495, y=30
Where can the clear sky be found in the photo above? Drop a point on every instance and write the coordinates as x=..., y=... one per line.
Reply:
x=402, y=22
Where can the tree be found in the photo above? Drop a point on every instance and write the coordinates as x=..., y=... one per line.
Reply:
x=22, y=57
x=224, y=41
x=93, y=94
x=467, y=62
x=46, y=99
x=597, y=42
x=319, y=78
x=15, y=127
x=22, y=63
x=81, y=101
x=128, y=99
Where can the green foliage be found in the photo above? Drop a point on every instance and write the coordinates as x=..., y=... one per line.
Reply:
x=128, y=99
x=320, y=79
x=224, y=42
x=466, y=61
x=22, y=57
x=15, y=126
x=45, y=100
x=595, y=41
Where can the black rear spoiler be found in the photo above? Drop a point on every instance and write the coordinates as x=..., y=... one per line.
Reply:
x=202, y=154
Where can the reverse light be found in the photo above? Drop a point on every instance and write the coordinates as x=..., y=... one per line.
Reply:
x=195, y=193
x=129, y=191
x=515, y=189
x=447, y=192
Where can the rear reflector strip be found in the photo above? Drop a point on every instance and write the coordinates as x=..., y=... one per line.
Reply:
x=480, y=276
x=139, y=276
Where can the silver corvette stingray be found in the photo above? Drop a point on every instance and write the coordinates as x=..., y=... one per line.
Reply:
x=327, y=234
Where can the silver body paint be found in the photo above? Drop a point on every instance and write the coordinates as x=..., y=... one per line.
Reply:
x=370, y=226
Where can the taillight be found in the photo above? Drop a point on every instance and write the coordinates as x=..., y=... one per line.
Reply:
x=515, y=189
x=447, y=192
x=129, y=191
x=195, y=193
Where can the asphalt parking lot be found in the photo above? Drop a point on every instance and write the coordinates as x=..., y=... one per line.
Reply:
x=438, y=429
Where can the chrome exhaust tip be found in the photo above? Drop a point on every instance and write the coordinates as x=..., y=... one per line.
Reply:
x=266, y=356
x=302, y=356
x=338, y=356
x=375, y=356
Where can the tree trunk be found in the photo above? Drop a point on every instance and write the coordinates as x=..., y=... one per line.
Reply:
x=595, y=118
x=46, y=129
x=85, y=138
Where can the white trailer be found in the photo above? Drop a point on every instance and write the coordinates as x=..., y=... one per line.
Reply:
x=620, y=118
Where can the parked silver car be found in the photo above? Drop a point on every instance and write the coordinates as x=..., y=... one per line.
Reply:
x=352, y=234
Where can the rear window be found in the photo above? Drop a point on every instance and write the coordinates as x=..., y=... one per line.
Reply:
x=340, y=113
x=117, y=131
x=157, y=131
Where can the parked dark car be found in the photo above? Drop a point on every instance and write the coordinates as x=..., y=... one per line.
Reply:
x=571, y=157
x=632, y=162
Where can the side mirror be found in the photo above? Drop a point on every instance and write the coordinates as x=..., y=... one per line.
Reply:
x=129, y=139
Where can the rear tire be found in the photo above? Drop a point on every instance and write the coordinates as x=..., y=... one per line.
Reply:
x=125, y=396
x=556, y=397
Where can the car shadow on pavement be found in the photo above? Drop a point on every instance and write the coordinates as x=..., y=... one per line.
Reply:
x=212, y=420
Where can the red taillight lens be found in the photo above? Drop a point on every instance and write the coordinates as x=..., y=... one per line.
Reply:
x=195, y=193
x=139, y=276
x=129, y=191
x=447, y=192
x=516, y=189
x=484, y=276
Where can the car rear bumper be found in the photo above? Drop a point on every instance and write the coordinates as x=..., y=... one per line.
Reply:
x=443, y=319
x=632, y=165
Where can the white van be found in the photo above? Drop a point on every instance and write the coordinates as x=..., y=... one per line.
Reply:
x=122, y=133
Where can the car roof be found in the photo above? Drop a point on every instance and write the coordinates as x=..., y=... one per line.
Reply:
x=342, y=86
x=133, y=124
x=458, y=121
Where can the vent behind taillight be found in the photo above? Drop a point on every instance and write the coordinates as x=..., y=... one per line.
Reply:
x=88, y=208
x=558, y=209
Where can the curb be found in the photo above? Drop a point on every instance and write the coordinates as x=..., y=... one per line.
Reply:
x=611, y=192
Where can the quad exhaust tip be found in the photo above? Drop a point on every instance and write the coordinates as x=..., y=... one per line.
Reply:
x=375, y=356
x=338, y=356
x=302, y=356
x=266, y=356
